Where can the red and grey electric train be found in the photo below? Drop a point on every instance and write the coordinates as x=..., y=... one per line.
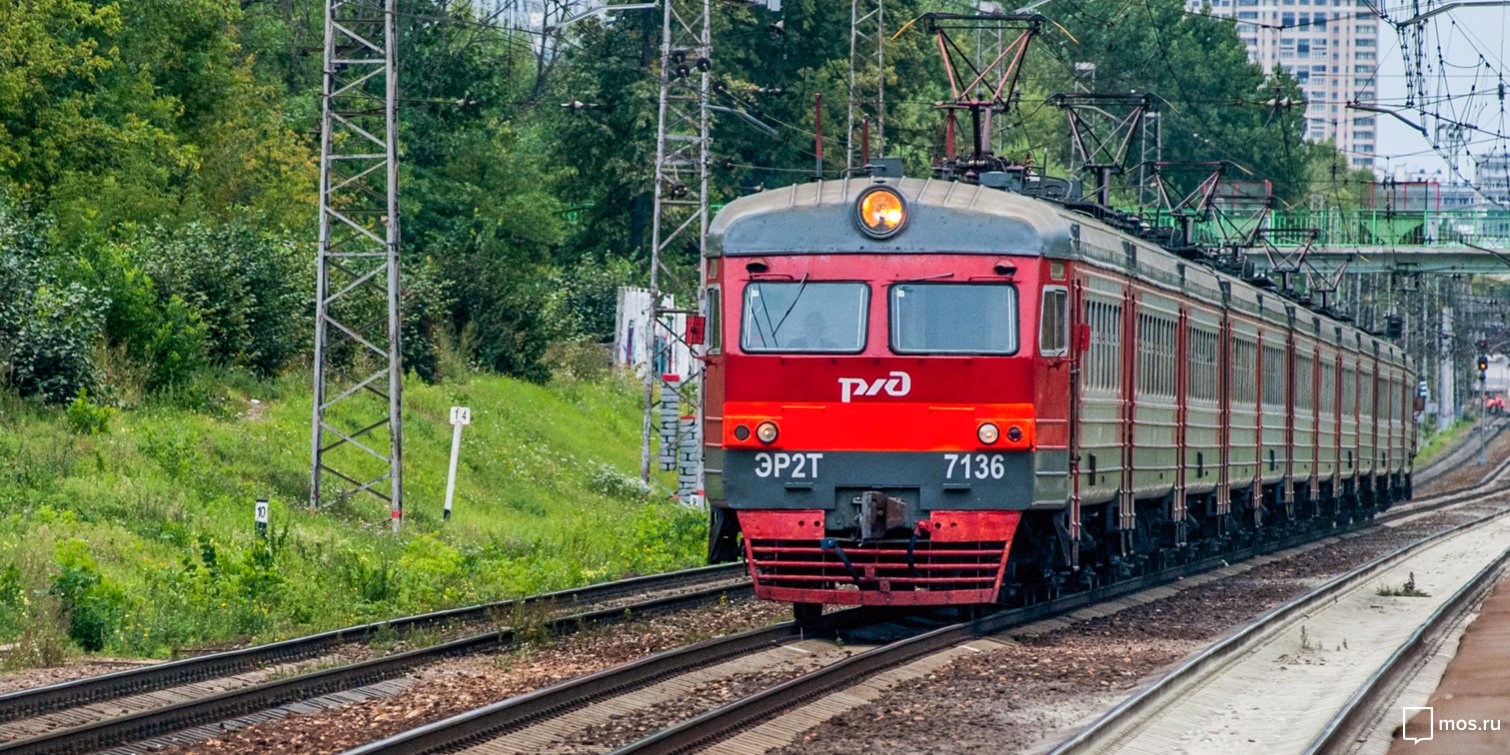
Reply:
x=927, y=392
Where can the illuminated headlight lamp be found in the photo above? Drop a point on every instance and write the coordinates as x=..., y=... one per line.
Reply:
x=766, y=432
x=880, y=212
x=987, y=433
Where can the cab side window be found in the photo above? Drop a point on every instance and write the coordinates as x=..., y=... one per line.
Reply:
x=714, y=330
x=1053, y=324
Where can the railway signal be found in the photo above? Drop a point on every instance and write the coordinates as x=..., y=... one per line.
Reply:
x=1483, y=374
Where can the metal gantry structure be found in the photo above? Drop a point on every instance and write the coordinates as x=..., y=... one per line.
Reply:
x=867, y=82
x=1102, y=129
x=357, y=424
x=680, y=215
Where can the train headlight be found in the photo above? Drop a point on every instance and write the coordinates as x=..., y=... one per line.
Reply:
x=880, y=212
x=987, y=433
x=741, y=432
x=766, y=432
x=1014, y=433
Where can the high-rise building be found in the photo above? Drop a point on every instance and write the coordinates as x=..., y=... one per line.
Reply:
x=1331, y=47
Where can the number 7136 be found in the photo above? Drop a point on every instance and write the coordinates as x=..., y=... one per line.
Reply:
x=975, y=467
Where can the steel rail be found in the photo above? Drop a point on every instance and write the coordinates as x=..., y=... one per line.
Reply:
x=1361, y=710
x=148, y=723
x=514, y=712
x=1101, y=732
x=36, y=701
x=179, y=672
x=722, y=722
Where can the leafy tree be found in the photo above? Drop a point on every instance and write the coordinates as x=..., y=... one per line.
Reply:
x=164, y=153
x=1215, y=104
x=251, y=289
x=480, y=210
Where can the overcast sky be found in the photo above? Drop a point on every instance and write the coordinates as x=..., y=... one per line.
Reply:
x=1463, y=35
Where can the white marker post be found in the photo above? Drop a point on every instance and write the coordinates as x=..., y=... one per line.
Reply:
x=460, y=415
x=259, y=515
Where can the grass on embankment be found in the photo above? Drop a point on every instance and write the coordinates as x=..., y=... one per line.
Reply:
x=1434, y=443
x=139, y=540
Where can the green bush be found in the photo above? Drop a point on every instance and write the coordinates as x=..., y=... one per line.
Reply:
x=12, y=602
x=506, y=303
x=176, y=348
x=604, y=479
x=426, y=312
x=48, y=327
x=587, y=295
x=52, y=355
x=431, y=573
x=250, y=289
x=161, y=334
x=374, y=579
x=578, y=360
x=663, y=536
x=88, y=418
x=96, y=605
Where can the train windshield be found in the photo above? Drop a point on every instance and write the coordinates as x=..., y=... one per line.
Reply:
x=804, y=317
x=954, y=318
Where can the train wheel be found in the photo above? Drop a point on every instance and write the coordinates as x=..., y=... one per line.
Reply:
x=807, y=614
x=723, y=536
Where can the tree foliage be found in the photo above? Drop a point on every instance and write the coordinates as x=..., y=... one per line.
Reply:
x=159, y=165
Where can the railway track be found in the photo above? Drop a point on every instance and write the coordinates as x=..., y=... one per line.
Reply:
x=114, y=709
x=1206, y=704
x=514, y=725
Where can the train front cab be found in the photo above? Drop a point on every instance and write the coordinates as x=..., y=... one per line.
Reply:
x=878, y=462
x=873, y=417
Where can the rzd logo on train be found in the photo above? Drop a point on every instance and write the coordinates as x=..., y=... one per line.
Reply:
x=896, y=384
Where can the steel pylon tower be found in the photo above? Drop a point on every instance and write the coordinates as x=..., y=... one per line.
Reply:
x=356, y=435
x=1151, y=142
x=681, y=175
x=867, y=78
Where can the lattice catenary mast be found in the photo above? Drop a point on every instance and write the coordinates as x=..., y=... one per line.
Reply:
x=357, y=431
x=681, y=179
x=867, y=81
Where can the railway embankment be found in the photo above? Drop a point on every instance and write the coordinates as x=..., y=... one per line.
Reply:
x=137, y=540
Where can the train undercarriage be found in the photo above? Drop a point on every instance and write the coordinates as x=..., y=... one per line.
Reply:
x=1041, y=562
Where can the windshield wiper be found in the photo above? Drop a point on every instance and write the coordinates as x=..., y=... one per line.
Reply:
x=800, y=288
x=940, y=276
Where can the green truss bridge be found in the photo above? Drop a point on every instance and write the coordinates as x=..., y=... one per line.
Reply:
x=1369, y=240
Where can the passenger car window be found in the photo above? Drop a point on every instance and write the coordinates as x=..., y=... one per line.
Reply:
x=954, y=318
x=1053, y=330
x=804, y=317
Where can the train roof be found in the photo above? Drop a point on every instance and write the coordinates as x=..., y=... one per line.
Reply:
x=946, y=217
